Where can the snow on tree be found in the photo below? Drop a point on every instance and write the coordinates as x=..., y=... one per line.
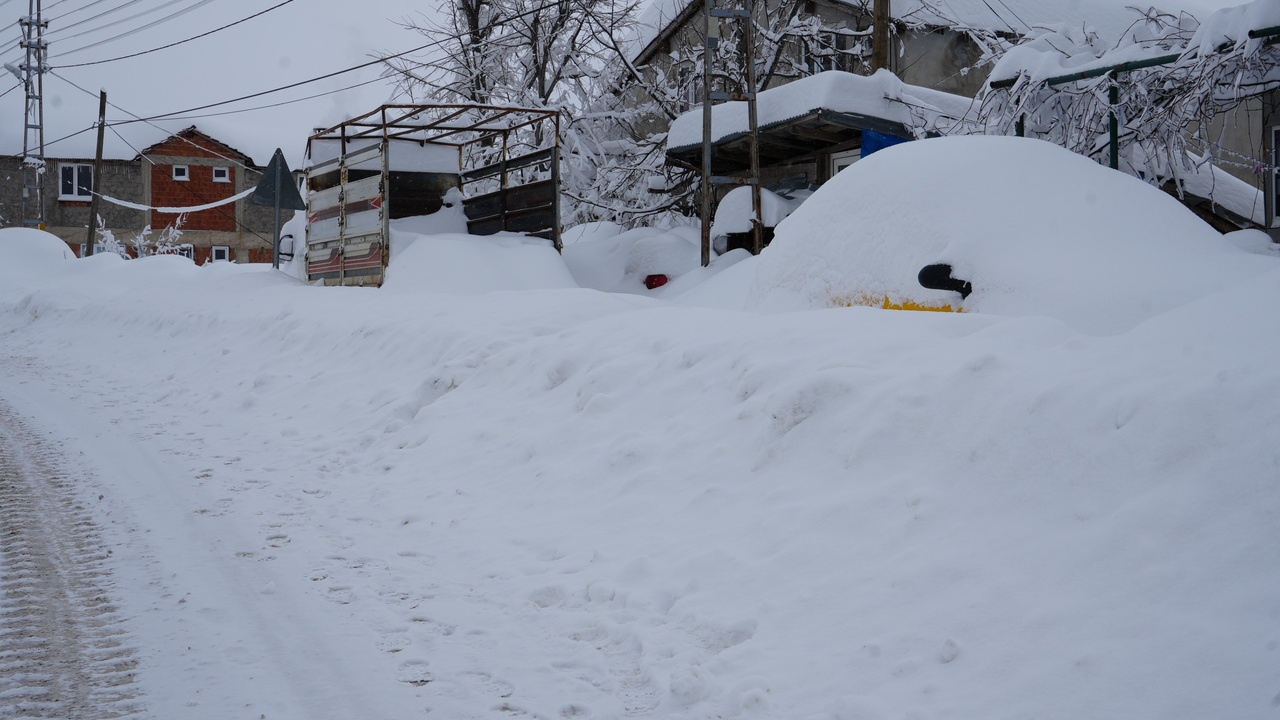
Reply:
x=577, y=57
x=1174, y=77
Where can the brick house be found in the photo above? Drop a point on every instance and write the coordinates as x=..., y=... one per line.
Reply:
x=187, y=169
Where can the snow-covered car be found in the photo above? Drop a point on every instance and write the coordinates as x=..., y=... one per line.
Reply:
x=1009, y=226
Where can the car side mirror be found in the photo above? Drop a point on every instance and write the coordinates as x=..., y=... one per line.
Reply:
x=938, y=277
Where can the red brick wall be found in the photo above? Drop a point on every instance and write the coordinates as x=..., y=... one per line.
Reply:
x=198, y=189
x=261, y=255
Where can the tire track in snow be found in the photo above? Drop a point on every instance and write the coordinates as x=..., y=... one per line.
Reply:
x=64, y=652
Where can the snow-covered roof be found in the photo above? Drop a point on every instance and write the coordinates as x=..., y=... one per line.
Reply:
x=1226, y=191
x=881, y=95
x=1110, y=19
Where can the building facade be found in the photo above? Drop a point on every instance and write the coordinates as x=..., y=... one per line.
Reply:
x=188, y=169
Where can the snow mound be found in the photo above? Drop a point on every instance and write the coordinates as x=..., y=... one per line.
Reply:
x=734, y=213
x=621, y=263
x=25, y=246
x=590, y=231
x=450, y=218
x=1037, y=229
x=458, y=264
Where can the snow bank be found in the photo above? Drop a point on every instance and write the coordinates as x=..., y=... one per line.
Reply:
x=620, y=263
x=470, y=264
x=565, y=503
x=1037, y=229
x=24, y=249
x=326, y=503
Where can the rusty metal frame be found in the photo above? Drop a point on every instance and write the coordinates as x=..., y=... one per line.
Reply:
x=401, y=121
x=488, y=123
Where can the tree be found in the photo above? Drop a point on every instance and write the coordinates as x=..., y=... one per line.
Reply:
x=1164, y=112
x=576, y=56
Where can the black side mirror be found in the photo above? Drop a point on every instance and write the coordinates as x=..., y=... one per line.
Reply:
x=938, y=277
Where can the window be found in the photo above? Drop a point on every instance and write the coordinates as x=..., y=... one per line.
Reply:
x=690, y=89
x=186, y=250
x=222, y=174
x=842, y=160
x=181, y=172
x=98, y=249
x=827, y=51
x=75, y=182
x=221, y=253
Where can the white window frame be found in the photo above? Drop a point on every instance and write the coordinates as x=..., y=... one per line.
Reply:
x=226, y=174
x=185, y=173
x=225, y=250
x=842, y=160
x=76, y=195
x=98, y=248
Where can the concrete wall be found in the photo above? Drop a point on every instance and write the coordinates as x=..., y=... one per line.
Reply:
x=69, y=219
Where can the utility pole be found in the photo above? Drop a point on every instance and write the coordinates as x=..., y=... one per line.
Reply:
x=97, y=174
x=746, y=93
x=31, y=73
x=880, y=50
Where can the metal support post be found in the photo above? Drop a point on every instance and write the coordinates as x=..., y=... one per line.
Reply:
x=1114, y=97
x=747, y=94
x=31, y=73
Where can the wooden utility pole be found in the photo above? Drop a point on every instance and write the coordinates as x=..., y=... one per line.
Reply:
x=880, y=47
x=97, y=174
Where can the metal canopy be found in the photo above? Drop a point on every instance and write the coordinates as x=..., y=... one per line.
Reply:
x=817, y=131
x=440, y=124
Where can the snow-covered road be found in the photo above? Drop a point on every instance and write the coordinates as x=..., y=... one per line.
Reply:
x=64, y=651
x=118, y=564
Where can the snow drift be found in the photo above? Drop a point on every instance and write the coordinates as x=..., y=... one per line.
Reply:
x=560, y=502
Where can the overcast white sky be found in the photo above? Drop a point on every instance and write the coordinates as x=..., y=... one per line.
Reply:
x=301, y=40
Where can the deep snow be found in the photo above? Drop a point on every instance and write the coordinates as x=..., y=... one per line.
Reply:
x=563, y=502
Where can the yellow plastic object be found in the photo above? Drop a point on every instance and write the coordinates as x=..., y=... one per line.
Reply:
x=887, y=304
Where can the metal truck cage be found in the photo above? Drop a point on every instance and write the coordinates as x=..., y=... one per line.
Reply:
x=507, y=157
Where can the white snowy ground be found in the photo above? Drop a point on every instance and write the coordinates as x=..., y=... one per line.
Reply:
x=727, y=500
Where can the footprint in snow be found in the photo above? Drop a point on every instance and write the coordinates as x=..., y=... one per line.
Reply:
x=414, y=672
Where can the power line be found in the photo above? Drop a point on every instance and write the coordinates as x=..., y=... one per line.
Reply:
x=420, y=48
x=166, y=18
x=6, y=92
x=172, y=44
x=104, y=13
x=126, y=112
x=185, y=114
x=64, y=137
x=82, y=8
x=279, y=104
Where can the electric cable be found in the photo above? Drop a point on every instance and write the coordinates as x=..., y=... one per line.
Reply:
x=126, y=112
x=172, y=44
x=198, y=4
x=434, y=43
x=86, y=7
x=104, y=13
